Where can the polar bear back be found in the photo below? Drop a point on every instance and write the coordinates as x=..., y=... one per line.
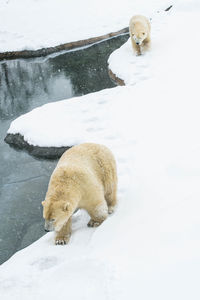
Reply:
x=94, y=161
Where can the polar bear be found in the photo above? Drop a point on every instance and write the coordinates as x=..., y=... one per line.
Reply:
x=140, y=29
x=85, y=177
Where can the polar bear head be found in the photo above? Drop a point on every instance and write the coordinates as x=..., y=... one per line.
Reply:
x=139, y=38
x=139, y=35
x=56, y=214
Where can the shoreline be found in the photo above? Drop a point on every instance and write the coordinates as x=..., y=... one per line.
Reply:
x=66, y=46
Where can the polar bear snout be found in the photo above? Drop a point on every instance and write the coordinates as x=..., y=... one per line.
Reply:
x=138, y=40
x=49, y=226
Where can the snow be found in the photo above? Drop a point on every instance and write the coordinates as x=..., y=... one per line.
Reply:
x=36, y=24
x=149, y=248
x=91, y=111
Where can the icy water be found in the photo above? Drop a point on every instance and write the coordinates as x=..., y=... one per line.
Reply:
x=24, y=85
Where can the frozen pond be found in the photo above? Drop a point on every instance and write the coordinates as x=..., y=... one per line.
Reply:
x=24, y=85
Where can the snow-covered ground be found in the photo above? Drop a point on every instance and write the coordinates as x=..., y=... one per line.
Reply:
x=150, y=247
x=36, y=24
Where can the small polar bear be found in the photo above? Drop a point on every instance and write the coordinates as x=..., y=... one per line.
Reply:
x=85, y=177
x=140, y=29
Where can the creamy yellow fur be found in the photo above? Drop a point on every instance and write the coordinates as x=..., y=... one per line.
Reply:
x=85, y=177
x=140, y=29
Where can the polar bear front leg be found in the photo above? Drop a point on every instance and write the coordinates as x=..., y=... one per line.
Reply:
x=62, y=237
x=146, y=45
x=136, y=48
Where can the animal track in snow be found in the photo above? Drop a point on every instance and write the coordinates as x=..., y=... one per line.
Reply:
x=46, y=262
x=92, y=129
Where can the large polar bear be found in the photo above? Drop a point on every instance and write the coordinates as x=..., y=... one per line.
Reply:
x=85, y=177
x=140, y=29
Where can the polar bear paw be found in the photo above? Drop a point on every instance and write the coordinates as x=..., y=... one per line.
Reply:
x=62, y=240
x=111, y=209
x=93, y=223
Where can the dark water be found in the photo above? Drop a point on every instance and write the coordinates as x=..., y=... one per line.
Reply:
x=24, y=85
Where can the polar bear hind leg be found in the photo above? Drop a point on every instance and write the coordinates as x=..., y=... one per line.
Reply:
x=111, y=198
x=98, y=212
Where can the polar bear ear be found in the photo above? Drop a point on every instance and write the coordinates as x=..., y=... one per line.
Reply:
x=43, y=203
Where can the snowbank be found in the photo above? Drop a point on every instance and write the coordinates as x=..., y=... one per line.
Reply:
x=149, y=248
x=33, y=24
x=68, y=122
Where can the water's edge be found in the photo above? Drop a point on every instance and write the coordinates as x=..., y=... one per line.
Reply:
x=17, y=141
x=116, y=79
x=66, y=46
x=25, y=85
